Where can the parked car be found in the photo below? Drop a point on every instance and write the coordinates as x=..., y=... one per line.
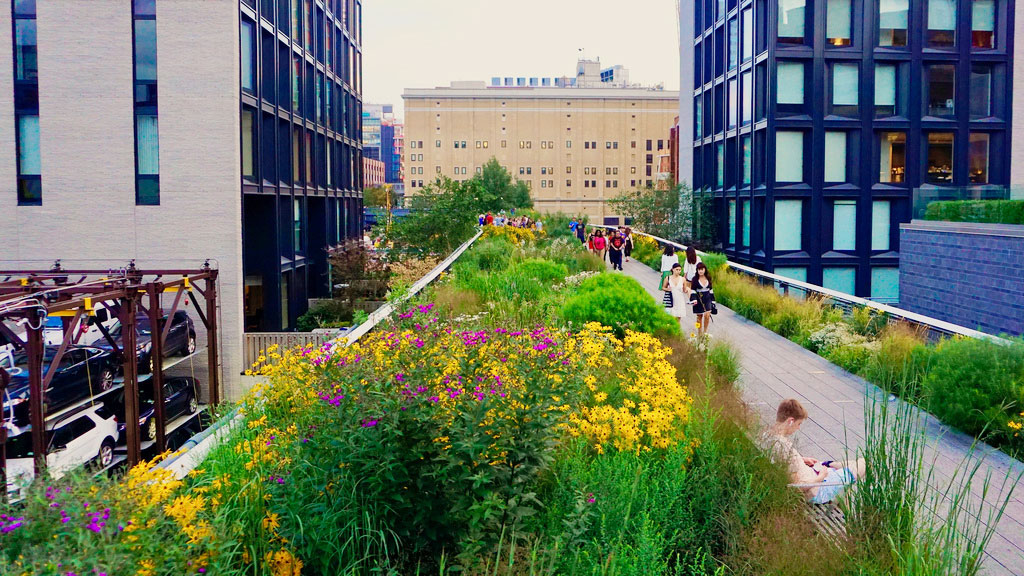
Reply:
x=181, y=339
x=83, y=370
x=180, y=398
x=88, y=435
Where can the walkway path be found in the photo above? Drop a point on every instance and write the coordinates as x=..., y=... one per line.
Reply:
x=773, y=368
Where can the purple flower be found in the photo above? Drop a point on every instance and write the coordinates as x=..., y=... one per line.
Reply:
x=435, y=399
x=400, y=377
x=369, y=423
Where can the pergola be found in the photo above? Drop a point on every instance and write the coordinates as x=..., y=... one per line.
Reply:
x=75, y=295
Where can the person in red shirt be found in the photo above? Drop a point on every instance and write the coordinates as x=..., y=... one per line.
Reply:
x=489, y=219
x=615, y=246
x=600, y=247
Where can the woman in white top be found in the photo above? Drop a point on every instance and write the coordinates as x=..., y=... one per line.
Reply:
x=675, y=285
x=690, y=266
x=668, y=260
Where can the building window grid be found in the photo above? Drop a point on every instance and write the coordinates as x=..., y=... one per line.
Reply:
x=26, y=87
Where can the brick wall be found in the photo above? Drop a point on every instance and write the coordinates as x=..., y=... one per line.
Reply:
x=968, y=274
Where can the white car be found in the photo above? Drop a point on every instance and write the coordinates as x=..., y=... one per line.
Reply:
x=73, y=441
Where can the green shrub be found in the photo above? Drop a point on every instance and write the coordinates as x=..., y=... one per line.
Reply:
x=974, y=384
x=620, y=302
x=542, y=270
x=329, y=314
x=785, y=323
x=900, y=362
x=868, y=322
x=987, y=211
x=714, y=261
x=490, y=254
x=851, y=358
x=725, y=360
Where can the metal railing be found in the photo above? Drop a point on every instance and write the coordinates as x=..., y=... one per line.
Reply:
x=257, y=342
x=934, y=327
x=922, y=197
x=196, y=449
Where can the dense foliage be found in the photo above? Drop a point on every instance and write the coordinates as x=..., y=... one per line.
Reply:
x=676, y=213
x=620, y=302
x=443, y=214
x=988, y=211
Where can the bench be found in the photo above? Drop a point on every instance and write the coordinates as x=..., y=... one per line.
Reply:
x=827, y=518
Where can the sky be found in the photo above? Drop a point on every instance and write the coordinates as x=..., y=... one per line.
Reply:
x=429, y=43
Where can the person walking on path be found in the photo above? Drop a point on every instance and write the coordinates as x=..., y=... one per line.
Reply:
x=674, y=285
x=669, y=258
x=489, y=219
x=600, y=247
x=580, y=234
x=627, y=250
x=690, y=266
x=615, y=246
x=702, y=297
x=834, y=477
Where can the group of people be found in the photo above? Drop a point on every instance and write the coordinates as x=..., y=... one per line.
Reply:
x=613, y=246
x=501, y=219
x=687, y=284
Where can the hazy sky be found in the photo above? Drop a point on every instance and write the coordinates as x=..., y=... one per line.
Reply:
x=429, y=43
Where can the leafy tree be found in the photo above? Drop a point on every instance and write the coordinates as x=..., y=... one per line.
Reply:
x=375, y=197
x=441, y=217
x=499, y=191
x=443, y=214
x=677, y=213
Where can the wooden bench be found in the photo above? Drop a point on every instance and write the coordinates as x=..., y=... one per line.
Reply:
x=827, y=518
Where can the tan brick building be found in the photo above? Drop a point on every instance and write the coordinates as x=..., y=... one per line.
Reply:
x=575, y=147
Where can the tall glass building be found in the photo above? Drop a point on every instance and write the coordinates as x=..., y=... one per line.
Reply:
x=811, y=122
x=301, y=106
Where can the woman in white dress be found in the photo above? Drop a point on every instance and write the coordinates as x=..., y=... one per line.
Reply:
x=675, y=284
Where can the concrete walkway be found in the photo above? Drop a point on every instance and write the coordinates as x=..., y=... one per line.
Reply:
x=773, y=368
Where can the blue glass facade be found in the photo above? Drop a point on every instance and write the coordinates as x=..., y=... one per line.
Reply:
x=301, y=110
x=814, y=120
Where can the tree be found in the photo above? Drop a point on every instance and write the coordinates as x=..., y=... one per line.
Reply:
x=441, y=216
x=499, y=191
x=376, y=197
x=675, y=214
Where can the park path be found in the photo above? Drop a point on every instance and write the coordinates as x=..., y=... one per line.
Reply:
x=773, y=368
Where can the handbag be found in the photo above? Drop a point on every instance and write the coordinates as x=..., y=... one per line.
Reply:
x=714, y=308
x=667, y=300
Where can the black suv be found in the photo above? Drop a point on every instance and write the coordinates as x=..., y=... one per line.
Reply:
x=181, y=339
x=83, y=370
x=180, y=398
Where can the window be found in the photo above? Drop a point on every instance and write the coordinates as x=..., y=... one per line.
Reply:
x=885, y=284
x=892, y=22
x=734, y=43
x=568, y=143
x=147, y=133
x=747, y=113
x=983, y=24
x=789, y=156
x=844, y=225
x=248, y=157
x=247, y=46
x=26, y=64
x=791, y=83
x=837, y=24
x=845, y=91
x=568, y=169
x=835, y=156
x=748, y=34
x=479, y=144
x=29, y=169
x=789, y=225
x=940, y=158
x=568, y=183
x=885, y=90
x=840, y=279
x=733, y=103
x=296, y=84
x=880, y=225
x=746, y=222
x=893, y=157
x=719, y=165
x=746, y=159
x=297, y=214
x=977, y=159
x=732, y=222
x=981, y=91
x=791, y=21
x=437, y=143
x=941, y=31
x=940, y=79
x=793, y=272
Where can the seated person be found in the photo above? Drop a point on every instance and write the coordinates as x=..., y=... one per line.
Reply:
x=833, y=476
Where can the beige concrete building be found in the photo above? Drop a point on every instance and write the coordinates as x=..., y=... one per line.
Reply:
x=576, y=147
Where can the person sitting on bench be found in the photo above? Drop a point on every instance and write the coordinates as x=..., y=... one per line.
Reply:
x=821, y=482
